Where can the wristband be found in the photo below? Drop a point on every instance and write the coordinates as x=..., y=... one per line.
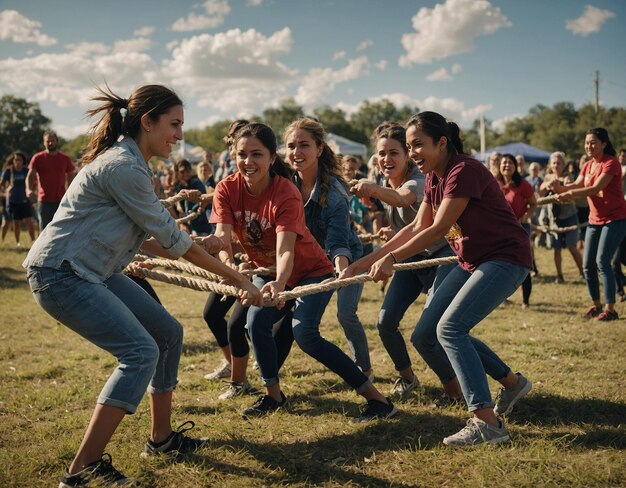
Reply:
x=393, y=257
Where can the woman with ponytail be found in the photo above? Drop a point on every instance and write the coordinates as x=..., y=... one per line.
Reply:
x=264, y=209
x=75, y=273
x=600, y=182
x=463, y=203
x=401, y=193
x=326, y=209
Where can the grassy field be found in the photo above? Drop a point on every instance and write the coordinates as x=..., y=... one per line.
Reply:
x=570, y=431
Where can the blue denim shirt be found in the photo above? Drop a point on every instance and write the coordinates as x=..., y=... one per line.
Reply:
x=330, y=225
x=105, y=216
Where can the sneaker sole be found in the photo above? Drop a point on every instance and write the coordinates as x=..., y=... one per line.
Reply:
x=523, y=392
x=497, y=440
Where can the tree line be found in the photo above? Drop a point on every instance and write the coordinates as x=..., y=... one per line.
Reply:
x=557, y=128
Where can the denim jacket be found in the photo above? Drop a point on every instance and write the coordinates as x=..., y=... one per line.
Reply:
x=330, y=225
x=105, y=216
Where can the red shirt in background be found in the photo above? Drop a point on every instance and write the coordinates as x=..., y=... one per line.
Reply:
x=518, y=197
x=51, y=170
x=256, y=219
x=487, y=230
x=609, y=204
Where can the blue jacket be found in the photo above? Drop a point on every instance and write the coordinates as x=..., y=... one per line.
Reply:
x=106, y=214
x=330, y=225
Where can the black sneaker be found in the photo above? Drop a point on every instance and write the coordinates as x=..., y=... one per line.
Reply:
x=264, y=405
x=176, y=443
x=101, y=470
x=374, y=409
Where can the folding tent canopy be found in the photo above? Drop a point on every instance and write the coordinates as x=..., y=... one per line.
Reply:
x=530, y=153
x=342, y=145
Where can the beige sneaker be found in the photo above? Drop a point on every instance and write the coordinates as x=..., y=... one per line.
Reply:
x=219, y=373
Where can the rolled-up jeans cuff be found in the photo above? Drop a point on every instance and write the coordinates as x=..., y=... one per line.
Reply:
x=267, y=382
x=364, y=387
x=111, y=402
x=156, y=391
x=472, y=408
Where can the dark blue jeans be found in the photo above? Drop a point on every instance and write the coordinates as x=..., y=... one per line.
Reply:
x=307, y=314
x=601, y=243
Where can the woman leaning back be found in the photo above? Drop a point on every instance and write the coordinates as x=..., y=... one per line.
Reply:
x=75, y=273
x=464, y=203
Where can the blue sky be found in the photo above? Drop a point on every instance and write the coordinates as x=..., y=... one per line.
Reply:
x=230, y=58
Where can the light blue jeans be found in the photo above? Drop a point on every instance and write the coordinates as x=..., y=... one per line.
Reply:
x=121, y=318
x=459, y=303
x=403, y=290
x=347, y=304
x=307, y=314
x=601, y=242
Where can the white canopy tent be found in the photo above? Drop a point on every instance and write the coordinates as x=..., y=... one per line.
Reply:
x=342, y=145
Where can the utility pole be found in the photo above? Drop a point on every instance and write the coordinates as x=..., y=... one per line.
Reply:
x=596, y=82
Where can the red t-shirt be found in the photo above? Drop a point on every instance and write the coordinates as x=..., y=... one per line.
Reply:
x=518, y=197
x=256, y=219
x=51, y=170
x=487, y=230
x=609, y=204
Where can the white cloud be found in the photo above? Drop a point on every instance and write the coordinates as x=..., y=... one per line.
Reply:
x=442, y=73
x=17, y=28
x=87, y=48
x=381, y=65
x=589, y=22
x=364, y=44
x=135, y=45
x=254, y=3
x=321, y=81
x=71, y=131
x=339, y=55
x=215, y=13
x=439, y=75
x=448, y=29
x=232, y=71
x=499, y=124
x=146, y=31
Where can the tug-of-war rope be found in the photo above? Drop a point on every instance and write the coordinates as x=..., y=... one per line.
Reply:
x=205, y=281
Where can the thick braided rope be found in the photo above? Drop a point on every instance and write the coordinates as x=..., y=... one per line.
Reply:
x=173, y=200
x=189, y=217
x=300, y=291
x=558, y=230
x=369, y=237
x=197, y=271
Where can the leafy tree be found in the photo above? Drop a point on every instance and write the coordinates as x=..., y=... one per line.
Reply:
x=210, y=137
x=21, y=126
x=74, y=147
x=371, y=114
x=280, y=117
x=335, y=121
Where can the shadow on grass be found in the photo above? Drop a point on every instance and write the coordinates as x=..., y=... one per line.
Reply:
x=10, y=278
x=196, y=348
x=338, y=458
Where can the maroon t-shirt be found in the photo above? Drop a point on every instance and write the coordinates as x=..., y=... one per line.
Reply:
x=487, y=230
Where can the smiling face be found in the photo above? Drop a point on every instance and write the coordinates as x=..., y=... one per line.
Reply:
x=427, y=154
x=594, y=147
x=253, y=162
x=393, y=159
x=302, y=151
x=557, y=165
x=160, y=135
x=507, y=167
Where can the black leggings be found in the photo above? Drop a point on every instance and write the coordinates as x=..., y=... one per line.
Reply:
x=527, y=288
x=237, y=333
x=214, y=313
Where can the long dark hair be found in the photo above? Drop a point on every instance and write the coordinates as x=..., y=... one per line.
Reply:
x=151, y=100
x=516, y=178
x=266, y=135
x=328, y=163
x=436, y=126
x=602, y=134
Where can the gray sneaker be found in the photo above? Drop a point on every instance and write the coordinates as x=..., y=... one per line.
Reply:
x=477, y=432
x=237, y=389
x=219, y=373
x=402, y=387
x=507, y=398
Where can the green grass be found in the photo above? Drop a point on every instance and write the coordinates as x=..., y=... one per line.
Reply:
x=570, y=431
